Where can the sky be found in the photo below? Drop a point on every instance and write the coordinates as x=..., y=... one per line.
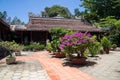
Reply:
x=20, y=8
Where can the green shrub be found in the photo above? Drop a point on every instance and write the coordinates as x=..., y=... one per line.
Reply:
x=11, y=46
x=105, y=42
x=114, y=45
x=34, y=46
x=41, y=47
x=49, y=47
x=94, y=48
x=27, y=47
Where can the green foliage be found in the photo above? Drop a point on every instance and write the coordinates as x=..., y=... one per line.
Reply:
x=57, y=32
x=77, y=12
x=6, y=18
x=97, y=9
x=105, y=42
x=114, y=45
x=86, y=52
x=3, y=15
x=34, y=46
x=16, y=21
x=49, y=47
x=11, y=46
x=94, y=48
x=58, y=10
x=55, y=45
x=10, y=56
x=113, y=26
x=107, y=22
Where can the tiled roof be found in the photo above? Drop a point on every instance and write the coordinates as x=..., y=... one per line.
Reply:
x=45, y=24
x=6, y=26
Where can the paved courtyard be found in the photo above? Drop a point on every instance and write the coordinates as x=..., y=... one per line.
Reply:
x=106, y=67
x=43, y=66
x=23, y=70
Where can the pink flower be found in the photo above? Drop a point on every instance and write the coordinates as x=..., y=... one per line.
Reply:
x=61, y=46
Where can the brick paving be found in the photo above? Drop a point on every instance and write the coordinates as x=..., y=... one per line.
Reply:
x=57, y=71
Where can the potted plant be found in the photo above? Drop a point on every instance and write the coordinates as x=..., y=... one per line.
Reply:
x=106, y=44
x=17, y=49
x=10, y=59
x=94, y=46
x=56, y=50
x=10, y=48
x=114, y=46
x=57, y=33
x=75, y=43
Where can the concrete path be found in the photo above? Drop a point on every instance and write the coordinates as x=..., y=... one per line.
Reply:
x=107, y=67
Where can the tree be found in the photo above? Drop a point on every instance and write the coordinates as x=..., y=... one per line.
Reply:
x=97, y=9
x=16, y=21
x=112, y=28
x=77, y=12
x=3, y=15
x=58, y=10
x=7, y=19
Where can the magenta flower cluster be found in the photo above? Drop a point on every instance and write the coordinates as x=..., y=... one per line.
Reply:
x=75, y=39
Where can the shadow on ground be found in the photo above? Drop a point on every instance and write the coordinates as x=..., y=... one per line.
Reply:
x=86, y=64
x=118, y=71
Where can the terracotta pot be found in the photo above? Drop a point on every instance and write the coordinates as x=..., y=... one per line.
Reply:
x=78, y=60
x=106, y=49
x=59, y=55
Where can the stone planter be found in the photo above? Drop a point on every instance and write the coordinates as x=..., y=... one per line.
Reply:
x=59, y=55
x=78, y=60
x=18, y=53
x=113, y=48
x=10, y=60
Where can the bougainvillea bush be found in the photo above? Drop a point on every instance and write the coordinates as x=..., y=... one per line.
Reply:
x=75, y=43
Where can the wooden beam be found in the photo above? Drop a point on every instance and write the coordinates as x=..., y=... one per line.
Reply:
x=31, y=36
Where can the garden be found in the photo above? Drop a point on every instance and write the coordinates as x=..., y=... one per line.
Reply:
x=12, y=49
x=76, y=47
